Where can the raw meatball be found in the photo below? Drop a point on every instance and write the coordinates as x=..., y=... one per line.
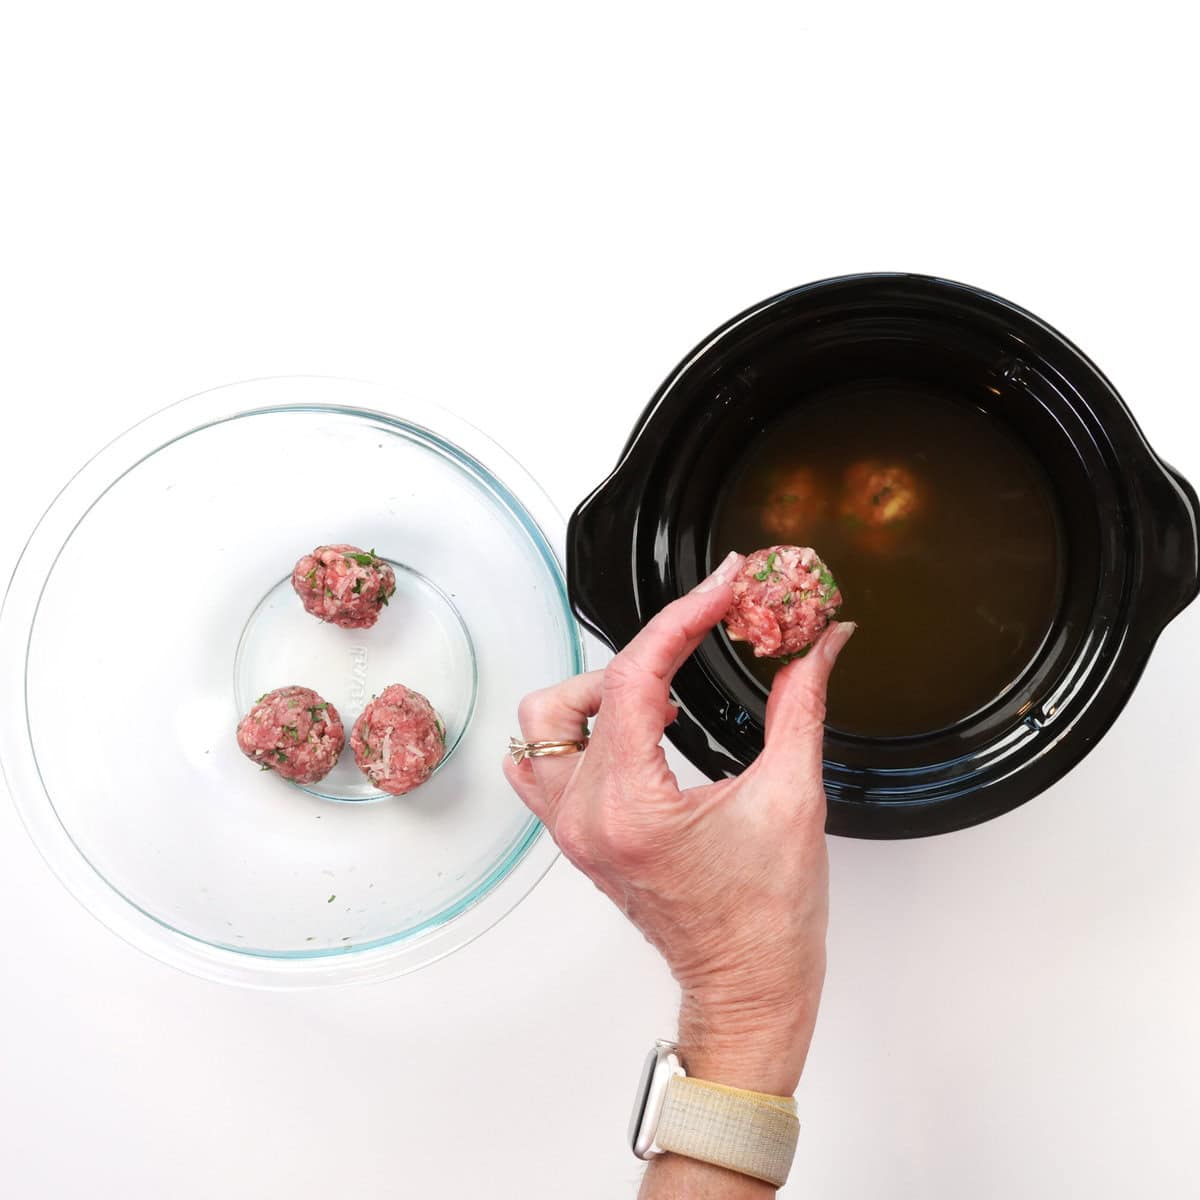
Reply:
x=876, y=493
x=398, y=740
x=794, y=502
x=783, y=597
x=344, y=585
x=294, y=733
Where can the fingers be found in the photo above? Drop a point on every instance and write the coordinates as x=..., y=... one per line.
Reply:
x=796, y=707
x=559, y=713
x=670, y=637
x=633, y=693
x=637, y=681
x=522, y=781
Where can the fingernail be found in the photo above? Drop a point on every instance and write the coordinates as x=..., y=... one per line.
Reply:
x=839, y=634
x=723, y=574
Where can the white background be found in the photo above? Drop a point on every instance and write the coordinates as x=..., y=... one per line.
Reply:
x=528, y=213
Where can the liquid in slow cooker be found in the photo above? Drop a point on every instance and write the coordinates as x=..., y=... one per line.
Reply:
x=942, y=530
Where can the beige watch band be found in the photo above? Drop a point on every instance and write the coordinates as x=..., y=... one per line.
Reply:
x=748, y=1132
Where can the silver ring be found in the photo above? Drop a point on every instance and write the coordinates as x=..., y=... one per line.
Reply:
x=521, y=750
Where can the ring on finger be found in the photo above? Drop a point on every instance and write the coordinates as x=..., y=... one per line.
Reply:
x=521, y=750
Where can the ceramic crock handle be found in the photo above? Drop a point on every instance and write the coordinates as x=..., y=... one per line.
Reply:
x=1176, y=560
x=600, y=545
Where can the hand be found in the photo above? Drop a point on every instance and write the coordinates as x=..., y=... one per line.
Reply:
x=728, y=880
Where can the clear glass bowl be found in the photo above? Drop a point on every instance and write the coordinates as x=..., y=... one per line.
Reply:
x=152, y=605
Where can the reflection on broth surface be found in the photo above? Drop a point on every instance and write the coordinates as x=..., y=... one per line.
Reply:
x=942, y=531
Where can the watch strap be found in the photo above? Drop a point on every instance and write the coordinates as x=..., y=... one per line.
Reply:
x=748, y=1132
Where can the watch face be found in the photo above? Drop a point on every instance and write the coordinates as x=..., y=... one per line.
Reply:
x=661, y=1065
x=639, y=1102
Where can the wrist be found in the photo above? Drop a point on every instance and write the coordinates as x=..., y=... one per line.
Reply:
x=759, y=1049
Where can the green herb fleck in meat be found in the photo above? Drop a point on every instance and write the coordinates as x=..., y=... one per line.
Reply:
x=441, y=729
x=279, y=754
x=829, y=584
x=357, y=588
x=787, y=658
x=365, y=560
x=293, y=732
x=788, y=599
x=769, y=569
x=317, y=708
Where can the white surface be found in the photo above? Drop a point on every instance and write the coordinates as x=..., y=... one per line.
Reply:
x=529, y=213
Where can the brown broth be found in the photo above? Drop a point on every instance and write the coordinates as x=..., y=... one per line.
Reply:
x=954, y=596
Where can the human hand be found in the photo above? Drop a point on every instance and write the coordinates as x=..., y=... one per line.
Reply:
x=728, y=880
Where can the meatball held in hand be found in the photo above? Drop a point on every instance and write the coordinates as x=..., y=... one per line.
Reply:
x=783, y=597
x=344, y=585
x=294, y=733
x=398, y=740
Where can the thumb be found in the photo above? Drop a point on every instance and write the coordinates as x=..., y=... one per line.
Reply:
x=796, y=707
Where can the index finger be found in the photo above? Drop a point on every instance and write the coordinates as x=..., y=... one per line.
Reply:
x=670, y=637
x=637, y=681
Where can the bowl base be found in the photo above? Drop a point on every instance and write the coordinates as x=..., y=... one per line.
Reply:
x=420, y=641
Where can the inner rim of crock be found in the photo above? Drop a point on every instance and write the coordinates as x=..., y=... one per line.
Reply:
x=1013, y=381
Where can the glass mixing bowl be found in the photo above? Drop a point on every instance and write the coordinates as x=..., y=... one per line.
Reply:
x=153, y=605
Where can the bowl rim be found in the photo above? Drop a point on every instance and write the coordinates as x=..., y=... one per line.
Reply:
x=610, y=604
x=512, y=878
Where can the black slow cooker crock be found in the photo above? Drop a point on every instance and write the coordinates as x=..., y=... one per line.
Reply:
x=1130, y=525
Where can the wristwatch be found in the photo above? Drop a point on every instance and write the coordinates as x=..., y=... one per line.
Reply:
x=748, y=1132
